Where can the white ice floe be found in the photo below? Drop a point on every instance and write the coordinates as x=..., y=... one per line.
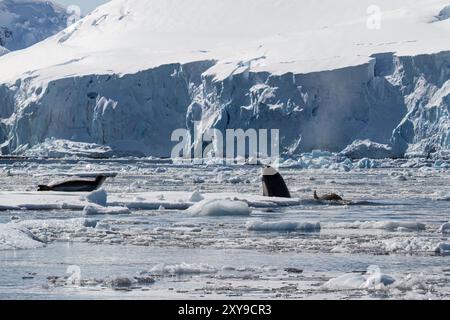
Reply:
x=443, y=249
x=282, y=226
x=393, y=226
x=374, y=279
x=410, y=245
x=13, y=237
x=173, y=200
x=220, y=207
x=99, y=197
x=182, y=269
x=92, y=210
x=445, y=228
x=72, y=224
x=401, y=226
x=196, y=197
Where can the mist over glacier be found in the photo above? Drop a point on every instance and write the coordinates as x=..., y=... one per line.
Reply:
x=130, y=73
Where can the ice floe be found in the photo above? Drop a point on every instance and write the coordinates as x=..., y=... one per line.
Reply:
x=91, y=210
x=445, y=228
x=14, y=237
x=220, y=207
x=373, y=279
x=182, y=269
x=174, y=200
x=401, y=226
x=282, y=226
x=99, y=197
x=196, y=197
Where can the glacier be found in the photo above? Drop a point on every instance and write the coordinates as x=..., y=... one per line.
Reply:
x=26, y=22
x=126, y=76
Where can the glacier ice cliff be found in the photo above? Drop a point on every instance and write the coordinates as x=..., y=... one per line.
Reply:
x=400, y=105
x=123, y=78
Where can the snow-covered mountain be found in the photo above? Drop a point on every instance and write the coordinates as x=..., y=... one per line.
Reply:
x=331, y=75
x=26, y=22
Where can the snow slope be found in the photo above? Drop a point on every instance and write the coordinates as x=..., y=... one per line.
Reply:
x=133, y=71
x=26, y=22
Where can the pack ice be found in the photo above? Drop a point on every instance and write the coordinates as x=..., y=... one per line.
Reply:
x=130, y=73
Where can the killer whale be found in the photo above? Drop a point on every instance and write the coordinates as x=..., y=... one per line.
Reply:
x=274, y=184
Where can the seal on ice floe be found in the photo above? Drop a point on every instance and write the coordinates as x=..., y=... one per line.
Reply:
x=273, y=183
x=75, y=185
x=327, y=197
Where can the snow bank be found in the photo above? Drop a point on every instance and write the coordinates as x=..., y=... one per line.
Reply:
x=14, y=237
x=217, y=207
x=282, y=226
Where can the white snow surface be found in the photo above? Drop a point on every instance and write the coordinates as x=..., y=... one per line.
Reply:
x=236, y=32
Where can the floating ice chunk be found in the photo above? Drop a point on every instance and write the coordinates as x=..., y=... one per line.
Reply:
x=445, y=228
x=443, y=249
x=14, y=237
x=182, y=269
x=282, y=226
x=196, y=197
x=360, y=149
x=409, y=245
x=217, y=207
x=365, y=163
x=444, y=14
x=378, y=281
x=92, y=210
x=350, y=281
x=393, y=225
x=440, y=196
x=58, y=224
x=99, y=197
x=353, y=281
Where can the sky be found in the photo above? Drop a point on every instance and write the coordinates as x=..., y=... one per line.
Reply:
x=85, y=5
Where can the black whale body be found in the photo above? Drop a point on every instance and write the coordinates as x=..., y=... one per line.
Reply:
x=274, y=184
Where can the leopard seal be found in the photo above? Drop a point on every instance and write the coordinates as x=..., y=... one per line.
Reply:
x=328, y=197
x=79, y=185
